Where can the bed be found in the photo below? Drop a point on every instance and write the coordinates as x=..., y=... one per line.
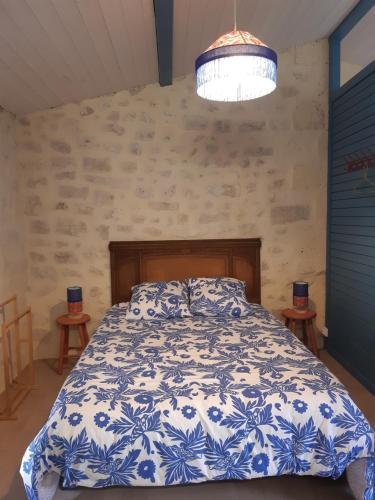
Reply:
x=197, y=399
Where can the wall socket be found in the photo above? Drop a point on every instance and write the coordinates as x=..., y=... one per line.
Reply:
x=325, y=331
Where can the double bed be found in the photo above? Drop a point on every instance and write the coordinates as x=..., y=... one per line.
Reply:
x=165, y=402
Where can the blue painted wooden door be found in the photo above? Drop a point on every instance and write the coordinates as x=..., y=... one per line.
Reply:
x=351, y=228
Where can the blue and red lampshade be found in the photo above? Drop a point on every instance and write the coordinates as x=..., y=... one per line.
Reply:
x=236, y=67
x=300, y=295
x=74, y=299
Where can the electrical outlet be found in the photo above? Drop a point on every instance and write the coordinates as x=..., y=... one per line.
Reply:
x=325, y=331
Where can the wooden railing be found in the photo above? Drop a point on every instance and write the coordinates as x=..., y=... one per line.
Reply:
x=18, y=382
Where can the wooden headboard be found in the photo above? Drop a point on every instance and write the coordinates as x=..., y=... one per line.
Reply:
x=133, y=262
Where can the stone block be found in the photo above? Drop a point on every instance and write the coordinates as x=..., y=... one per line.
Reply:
x=62, y=162
x=39, y=226
x=145, y=135
x=208, y=218
x=34, y=182
x=31, y=146
x=195, y=122
x=135, y=149
x=309, y=115
x=122, y=228
x=61, y=147
x=84, y=209
x=251, y=126
x=154, y=232
x=86, y=111
x=129, y=167
x=143, y=192
x=37, y=257
x=103, y=198
x=223, y=126
x=61, y=205
x=96, y=164
x=288, y=91
x=43, y=272
x=290, y=213
x=71, y=273
x=113, y=116
x=220, y=190
x=116, y=128
x=67, y=191
x=163, y=205
x=65, y=257
x=65, y=175
x=259, y=151
x=103, y=231
x=71, y=227
x=33, y=205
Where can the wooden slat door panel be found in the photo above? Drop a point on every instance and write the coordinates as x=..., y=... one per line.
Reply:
x=351, y=234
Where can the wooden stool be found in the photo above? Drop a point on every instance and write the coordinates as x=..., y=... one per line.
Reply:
x=65, y=322
x=306, y=318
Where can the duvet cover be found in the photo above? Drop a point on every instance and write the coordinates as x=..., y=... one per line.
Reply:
x=190, y=400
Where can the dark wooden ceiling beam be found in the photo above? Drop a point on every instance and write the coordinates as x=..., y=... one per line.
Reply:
x=164, y=39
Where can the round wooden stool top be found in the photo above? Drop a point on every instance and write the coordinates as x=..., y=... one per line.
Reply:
x=296, y=315
x=66, y=320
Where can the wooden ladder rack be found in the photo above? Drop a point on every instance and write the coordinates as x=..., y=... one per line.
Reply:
x=15, y=389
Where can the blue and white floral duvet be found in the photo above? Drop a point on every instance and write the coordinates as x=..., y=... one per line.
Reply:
x=191, y=400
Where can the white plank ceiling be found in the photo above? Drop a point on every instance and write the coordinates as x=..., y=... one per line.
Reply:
x=278, y=23
x=58, y=51
x=358, y=47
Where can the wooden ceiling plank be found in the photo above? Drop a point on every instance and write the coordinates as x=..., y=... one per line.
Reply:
x=24, y=18
x=335, y=15
x=283, y=25
x=97, y=28
x=49, y=19
x=59, y=51
x=149, y=38
x=26, y=101
x=10, y=101
x=213, y=23
x=114, y=17
x=194, y=29
x=21, y=46
x=11, y=58
x=180, y=21
x=139, y=24
x=72, y=21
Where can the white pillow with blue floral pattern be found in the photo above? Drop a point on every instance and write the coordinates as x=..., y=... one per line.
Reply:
x=218, y=297
x=159, y=300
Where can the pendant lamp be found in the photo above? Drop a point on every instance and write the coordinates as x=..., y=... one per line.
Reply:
x=236, y=67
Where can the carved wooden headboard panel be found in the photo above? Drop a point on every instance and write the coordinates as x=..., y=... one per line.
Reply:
x=133, y=262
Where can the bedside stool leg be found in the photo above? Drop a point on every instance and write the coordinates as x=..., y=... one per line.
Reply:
x=85, y=334
x=304, y=332
x=62, y=350
x=82, y=337
x=293, y=326
x=312, y=339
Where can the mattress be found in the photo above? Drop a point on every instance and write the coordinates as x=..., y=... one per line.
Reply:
x=197, y=399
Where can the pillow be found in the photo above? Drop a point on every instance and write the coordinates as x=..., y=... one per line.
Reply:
x=160, y=300
x=218, y=297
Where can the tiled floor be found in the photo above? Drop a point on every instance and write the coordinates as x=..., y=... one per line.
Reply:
x=16, y=435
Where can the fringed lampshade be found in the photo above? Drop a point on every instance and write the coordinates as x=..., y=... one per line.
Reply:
x=236, y=67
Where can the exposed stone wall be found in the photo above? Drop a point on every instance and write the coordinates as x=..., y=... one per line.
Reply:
x=12, y=237
x=160, y=163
